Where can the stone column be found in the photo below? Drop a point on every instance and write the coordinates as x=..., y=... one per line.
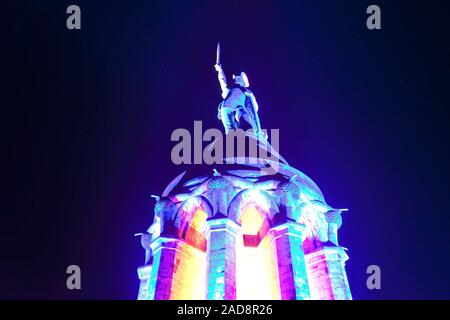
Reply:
x=221, y=259
x=326, y=273
x=156, y=279
x=144, y=274
x=288, y=239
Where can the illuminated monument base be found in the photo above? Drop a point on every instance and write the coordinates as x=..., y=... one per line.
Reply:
x=238, y=233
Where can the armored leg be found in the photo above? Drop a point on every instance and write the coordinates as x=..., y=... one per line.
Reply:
x=228, y=119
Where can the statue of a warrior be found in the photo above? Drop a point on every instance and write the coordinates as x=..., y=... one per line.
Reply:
x=239, y=109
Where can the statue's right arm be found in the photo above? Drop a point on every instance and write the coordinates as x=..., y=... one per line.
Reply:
x=222, y=81
x=253, y=99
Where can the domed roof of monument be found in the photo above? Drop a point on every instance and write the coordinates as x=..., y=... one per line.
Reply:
x=287, y=179
x=246, y=171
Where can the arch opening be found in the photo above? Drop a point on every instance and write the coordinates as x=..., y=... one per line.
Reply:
x=256, y=261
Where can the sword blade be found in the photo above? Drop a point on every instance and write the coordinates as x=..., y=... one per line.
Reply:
x=218, y=53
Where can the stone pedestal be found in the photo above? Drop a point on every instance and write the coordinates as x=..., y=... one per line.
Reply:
x=238, y=233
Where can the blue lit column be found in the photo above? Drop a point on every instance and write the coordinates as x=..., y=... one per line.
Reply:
x=221, y=259
x=156, y=278
x=288, y=239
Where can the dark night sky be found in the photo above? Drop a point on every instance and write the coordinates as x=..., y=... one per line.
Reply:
x=88, y=114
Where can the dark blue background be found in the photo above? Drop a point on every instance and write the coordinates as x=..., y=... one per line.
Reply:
x=88, y=115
